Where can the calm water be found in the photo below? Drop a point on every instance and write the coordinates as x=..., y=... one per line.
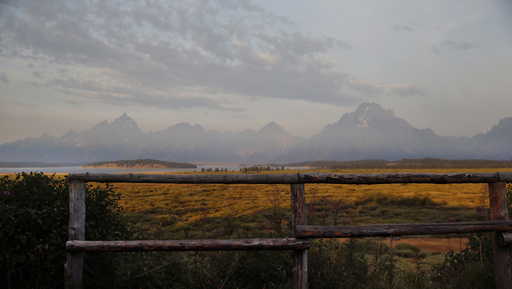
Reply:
x=68, y=170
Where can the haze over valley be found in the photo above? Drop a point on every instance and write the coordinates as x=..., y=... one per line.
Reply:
x=370, y=132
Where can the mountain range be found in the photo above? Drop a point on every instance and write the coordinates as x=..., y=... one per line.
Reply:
x=370, y=132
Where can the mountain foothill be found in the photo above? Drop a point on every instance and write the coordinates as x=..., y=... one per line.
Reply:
x=370, y=132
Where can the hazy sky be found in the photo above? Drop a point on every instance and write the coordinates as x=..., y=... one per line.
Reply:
x=231, y=65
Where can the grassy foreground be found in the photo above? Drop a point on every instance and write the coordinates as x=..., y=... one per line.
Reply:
x=174, y=211
x=180, y=211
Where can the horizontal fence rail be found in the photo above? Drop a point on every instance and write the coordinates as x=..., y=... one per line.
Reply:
x=500, y=226
x=305, y=178
x=188, y=245
x=389, y=230
x=187, y=179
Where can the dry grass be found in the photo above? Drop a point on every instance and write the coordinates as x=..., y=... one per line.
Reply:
x=175, y=206
x=172, y=207
x=441, y=245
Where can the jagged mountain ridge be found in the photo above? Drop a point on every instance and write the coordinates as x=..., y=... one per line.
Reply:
x=370, y=132
x=123, y=139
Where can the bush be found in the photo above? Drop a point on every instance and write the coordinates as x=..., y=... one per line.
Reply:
x=467, y=269
x=473, y=267
x=406, y=246
x=34, y=214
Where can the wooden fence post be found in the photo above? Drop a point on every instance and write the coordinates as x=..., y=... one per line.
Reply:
x=74, y=267
x=502, y=258
x=300, y=257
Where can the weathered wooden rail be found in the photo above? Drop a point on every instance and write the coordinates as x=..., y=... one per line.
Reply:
x=187, y=245
x=499, y=223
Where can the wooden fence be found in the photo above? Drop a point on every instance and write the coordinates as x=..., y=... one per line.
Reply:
x=499, y=223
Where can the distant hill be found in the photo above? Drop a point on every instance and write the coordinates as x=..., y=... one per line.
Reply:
x=370, y=132
x=140, y=164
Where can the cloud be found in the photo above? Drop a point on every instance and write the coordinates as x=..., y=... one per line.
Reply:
x=34, y=83
x=403, y=28
x=37, y=74
x=124, y=94
x=460, y=45
x=3, y=77
x=378, y=88
x=19, y=103
x=405, y=89
x=434, y=49
x=453, y=46
x=174, y=54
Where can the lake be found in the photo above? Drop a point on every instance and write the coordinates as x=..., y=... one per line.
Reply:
x=68, y=170
x=77, y=169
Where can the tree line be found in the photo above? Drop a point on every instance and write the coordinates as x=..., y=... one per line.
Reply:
x=425, y=163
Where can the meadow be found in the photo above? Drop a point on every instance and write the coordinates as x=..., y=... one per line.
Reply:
x=180, y=211
x=186, y=211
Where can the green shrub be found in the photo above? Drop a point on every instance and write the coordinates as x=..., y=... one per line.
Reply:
x=405, y=246
x=473, y=267
x=464, y=270
x=34, y=213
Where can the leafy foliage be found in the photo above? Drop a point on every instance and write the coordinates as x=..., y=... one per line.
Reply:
x=473, y=267
x=34, y=214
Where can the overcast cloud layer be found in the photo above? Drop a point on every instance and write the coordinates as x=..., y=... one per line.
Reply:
x=232, y=65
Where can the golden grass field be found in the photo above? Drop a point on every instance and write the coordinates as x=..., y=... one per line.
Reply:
x=180, y=211
x=170, y=210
